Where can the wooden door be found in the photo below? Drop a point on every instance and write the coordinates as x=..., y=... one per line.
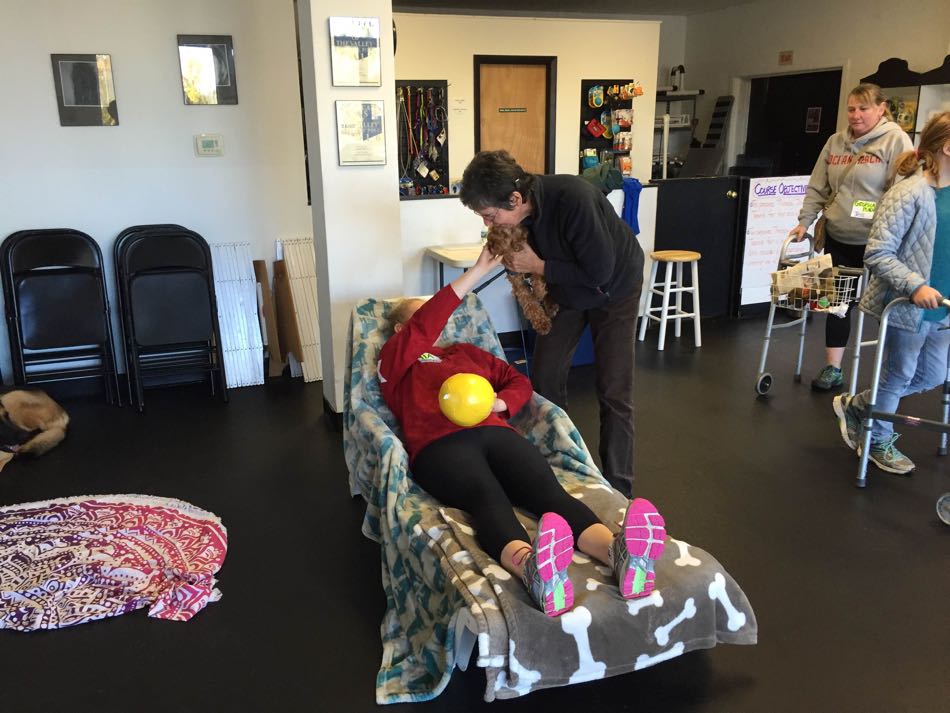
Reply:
x=512, y=101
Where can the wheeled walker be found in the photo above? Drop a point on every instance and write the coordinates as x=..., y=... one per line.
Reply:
x=864, y=435
x=823, y=294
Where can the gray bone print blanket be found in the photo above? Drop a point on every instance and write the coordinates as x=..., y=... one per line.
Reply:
x=437, y=579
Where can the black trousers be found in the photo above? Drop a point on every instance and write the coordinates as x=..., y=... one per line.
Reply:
x=613, y=329
x=486, y=471
x=838, y=329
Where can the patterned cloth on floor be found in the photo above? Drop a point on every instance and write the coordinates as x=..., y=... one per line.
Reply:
x=438, y=582
x=70, y=561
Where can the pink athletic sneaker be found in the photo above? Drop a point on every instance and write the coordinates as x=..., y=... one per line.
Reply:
x=636, y=547
x=545, y=570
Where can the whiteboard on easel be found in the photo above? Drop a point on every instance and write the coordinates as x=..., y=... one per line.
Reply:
x=773, y=209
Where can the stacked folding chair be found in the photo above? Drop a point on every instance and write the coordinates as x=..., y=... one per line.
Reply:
x=169, y=316
x=57, y=311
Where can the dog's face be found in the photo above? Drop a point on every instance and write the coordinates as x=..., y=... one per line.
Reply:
x=506, y=239
x=11, y=435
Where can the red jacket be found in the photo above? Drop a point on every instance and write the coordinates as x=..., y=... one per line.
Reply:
x=411, y=371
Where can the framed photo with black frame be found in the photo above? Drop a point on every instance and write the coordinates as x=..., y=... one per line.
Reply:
x=207, y=69
x=85, y=93
x=359, y=131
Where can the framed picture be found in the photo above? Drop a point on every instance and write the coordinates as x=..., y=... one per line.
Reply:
x=354, y=51
x=85, y=92
x=207, y=69
x=359, y=132
x=813, y=120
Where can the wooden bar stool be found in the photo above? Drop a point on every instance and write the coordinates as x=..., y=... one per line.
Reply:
x=669, y=288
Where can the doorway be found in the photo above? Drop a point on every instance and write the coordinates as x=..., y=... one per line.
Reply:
x=790, y=118
x=514, y=108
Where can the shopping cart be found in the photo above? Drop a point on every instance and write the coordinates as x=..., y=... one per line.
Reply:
x=864, y=435
x=812, y=293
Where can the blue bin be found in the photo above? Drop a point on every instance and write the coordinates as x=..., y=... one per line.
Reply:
x=584, y=354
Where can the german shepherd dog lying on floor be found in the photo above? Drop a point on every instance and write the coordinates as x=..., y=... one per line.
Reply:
x=30, y=424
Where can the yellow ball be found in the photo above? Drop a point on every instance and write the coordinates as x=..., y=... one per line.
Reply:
x=466, y=399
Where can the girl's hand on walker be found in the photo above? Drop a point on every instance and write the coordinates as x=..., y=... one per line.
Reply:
x=926, y=297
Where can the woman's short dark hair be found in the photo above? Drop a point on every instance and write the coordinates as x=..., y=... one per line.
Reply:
x=491, y=178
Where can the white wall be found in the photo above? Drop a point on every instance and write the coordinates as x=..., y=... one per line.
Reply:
x=355, y=208
x=744, y=41
x=103, y=179
x=672, y=47
x=446, y=221
x=569, y=40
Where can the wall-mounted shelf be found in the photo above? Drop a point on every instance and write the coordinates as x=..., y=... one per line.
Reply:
x=674, y=150
x=913, y=96
x=604, y=145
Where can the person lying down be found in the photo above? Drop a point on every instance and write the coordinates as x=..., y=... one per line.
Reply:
x=485, y=467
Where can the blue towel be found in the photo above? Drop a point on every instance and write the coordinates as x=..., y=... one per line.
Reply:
x=631, y=203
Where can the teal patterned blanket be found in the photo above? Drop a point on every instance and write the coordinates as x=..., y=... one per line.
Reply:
x=436, y=578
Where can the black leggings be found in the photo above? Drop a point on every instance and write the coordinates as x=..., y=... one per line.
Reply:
x=487, y=470
x=838, y=329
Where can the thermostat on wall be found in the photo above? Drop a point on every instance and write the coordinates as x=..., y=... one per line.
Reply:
x=209, y=145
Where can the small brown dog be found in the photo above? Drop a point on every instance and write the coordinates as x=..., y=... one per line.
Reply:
x=531, y=291
x=30, y=423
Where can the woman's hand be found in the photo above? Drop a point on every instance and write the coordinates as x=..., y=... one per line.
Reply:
x=926, y=297
x=525, y=260
x=499, y=406
x=469, y=279
x=486, y=261
x=799, y=232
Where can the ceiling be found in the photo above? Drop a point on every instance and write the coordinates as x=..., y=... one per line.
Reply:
x=573, y=8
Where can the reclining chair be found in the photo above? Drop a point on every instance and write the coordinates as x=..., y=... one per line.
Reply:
x=445, y=595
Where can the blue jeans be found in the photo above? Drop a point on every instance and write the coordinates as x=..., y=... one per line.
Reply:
x=913, y=362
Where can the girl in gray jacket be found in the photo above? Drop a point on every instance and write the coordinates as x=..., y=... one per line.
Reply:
x=849, y=178
x=908, y=254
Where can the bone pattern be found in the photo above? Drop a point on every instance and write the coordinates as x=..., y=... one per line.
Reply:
x=717, y=590
x=635, y=605
x=644, y=660
x=685, y=559
x=662, y=633
x=576, y=623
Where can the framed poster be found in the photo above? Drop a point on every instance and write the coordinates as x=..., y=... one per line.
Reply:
x=359, y=132
x=85, y=93
x=354, y=51
x=813, y=120
x=207, y=69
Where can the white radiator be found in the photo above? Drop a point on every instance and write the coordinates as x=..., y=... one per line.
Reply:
x=236, y=293
x=301, y=265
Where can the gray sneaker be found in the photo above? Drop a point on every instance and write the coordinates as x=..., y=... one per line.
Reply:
x=849, y=422
x=828, y=378
x=545, y=569
x=885, y=456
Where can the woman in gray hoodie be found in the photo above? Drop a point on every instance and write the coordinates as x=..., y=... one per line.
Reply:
x=848, y=180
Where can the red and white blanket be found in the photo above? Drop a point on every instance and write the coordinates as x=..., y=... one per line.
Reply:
x=66, y=562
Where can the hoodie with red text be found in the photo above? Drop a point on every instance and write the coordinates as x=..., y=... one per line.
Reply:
x=857, y=193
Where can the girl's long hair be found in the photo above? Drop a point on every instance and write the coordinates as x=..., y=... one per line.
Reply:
x=933, y=139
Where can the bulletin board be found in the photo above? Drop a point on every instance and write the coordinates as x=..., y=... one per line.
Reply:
x=774, y=204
